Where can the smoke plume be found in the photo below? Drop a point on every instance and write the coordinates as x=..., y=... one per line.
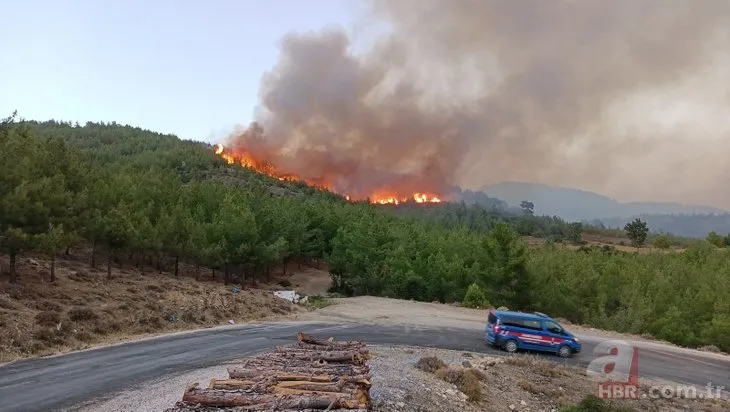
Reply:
x=615, y=96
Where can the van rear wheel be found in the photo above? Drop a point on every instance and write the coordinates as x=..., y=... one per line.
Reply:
x=510, y=346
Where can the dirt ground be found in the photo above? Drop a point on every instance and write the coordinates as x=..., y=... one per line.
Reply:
x=310, y=281
x=83, y=308
x=620, y=244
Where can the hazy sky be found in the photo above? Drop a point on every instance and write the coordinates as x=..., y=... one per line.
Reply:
x=186, y=67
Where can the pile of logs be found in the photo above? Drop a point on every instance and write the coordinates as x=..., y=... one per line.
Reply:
x=313, y=374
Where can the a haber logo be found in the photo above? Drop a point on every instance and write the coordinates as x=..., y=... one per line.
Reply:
x=617, y=365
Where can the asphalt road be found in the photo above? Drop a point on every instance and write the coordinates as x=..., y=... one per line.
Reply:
x=56, y=383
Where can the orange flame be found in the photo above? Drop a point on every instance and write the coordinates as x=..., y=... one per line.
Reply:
x=246, y=160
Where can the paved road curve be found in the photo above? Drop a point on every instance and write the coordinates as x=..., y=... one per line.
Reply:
x=55, y=383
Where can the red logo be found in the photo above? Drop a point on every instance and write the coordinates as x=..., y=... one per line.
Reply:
x=617, y=366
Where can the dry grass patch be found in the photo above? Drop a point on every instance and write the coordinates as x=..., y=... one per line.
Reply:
x=430, y=364
x=467, y=380
x=83, y=307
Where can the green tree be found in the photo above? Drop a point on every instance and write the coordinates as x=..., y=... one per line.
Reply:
x=714, y=239
x=508, y=276
x=50, y=243
x=118, y=232
x=475, y=297
x=637, y=231
x=14, y=241
x=527, y=207
x=574, y=232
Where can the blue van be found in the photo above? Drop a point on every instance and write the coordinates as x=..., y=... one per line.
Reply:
x=515, y=331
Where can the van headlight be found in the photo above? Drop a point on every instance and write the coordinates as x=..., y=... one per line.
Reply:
x=576, y=339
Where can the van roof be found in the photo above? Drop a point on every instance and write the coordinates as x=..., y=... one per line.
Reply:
x=521, y=315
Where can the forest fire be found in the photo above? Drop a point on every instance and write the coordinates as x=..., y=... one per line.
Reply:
x=245, y=159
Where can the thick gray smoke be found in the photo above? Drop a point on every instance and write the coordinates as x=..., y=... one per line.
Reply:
x=591, y=93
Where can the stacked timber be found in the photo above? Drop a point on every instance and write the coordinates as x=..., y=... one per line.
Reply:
x=313, y=374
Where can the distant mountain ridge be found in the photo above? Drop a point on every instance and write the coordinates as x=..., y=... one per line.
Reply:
x=580, y=205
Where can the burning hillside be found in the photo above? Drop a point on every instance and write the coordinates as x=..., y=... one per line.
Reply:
x=382, y=196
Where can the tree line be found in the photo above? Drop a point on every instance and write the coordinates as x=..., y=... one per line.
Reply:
x=136, y=197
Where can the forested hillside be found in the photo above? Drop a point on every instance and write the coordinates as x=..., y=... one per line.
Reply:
x=694, y=225
x=580, y=205
x=134, y=195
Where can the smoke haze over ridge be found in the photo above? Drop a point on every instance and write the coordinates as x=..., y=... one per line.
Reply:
x=629, y=98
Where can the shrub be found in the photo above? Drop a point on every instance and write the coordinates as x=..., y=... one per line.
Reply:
x=592, y=403
x=430, y=364
x=81, y=314
x=47, y=318
x=318, y=302
x=466, y=380
x=662, y=242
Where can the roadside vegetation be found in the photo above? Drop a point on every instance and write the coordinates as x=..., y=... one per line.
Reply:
x=135, y=198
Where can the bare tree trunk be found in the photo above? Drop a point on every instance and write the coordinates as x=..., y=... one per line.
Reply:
x=68, y=250
x=13, y=273
x=109, y=265
x=93, y=254
x=53, y=267
x=177, y=264
x=159, y=266
x=225, y=275
x=141, y=264
x=298, y=401
x=197, y=271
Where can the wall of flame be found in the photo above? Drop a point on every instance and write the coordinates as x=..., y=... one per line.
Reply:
x=382, y=197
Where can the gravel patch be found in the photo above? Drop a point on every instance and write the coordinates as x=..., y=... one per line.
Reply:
x=400, y=387
x=153, y=396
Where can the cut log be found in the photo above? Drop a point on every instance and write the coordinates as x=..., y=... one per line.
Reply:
x=287, y=350
x=303, y=338
x=241, y=372
x=300, y=400
x=309, y=383
x=236, y=384
x=351, y=357
x=320, y=348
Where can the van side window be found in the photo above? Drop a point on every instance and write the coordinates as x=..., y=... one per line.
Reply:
x=532, y=324
x=512, y=322
x=522, y=323
x=553, y=327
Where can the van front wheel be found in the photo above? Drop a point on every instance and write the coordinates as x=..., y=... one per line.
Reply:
x=565, y=351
